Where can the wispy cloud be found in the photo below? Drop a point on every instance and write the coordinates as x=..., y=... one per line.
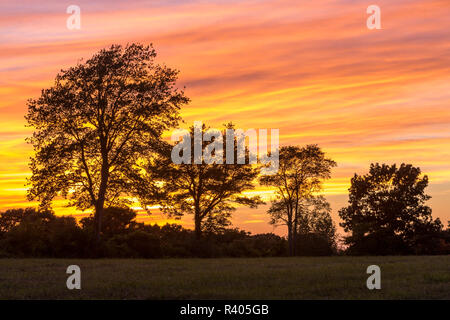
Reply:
x=311, y=69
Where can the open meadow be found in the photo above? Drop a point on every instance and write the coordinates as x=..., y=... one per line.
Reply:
x=402, y=277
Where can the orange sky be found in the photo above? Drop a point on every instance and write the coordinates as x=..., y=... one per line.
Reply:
x=309, y=68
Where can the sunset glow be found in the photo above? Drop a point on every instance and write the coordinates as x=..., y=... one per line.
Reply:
x=311, y=69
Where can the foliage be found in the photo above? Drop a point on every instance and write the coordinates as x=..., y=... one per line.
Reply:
x=300, y=175
x=115, y=220
x=207, y=191
x=40, y=233
x=95, y=122
x=387, y=212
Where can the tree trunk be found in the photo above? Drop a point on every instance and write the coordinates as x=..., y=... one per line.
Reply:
x=295, y=224
x=99, y=206
x=198, y=226
x=98, y=215
x=294, y=236
x=290, y=239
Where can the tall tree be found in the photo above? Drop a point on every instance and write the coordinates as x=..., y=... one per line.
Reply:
x=95, y=123
x=210, y=192
x=387, y=210
x=300, y=175
x=315, y=217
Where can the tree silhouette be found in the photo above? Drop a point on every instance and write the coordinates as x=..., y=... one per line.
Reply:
x=208, y=191
x=115, y=220
x=315, y=217
x=316, y=234
x=95, y=123
x=300, y=175
x=13, y=217
x=387, y=210
x=34, y=232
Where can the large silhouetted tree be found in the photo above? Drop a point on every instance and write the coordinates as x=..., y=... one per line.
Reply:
x=209, y=192
x=300, y=175
x=95, y=122
x=387, y=212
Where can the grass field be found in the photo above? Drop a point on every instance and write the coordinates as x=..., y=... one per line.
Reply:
x=411, y=277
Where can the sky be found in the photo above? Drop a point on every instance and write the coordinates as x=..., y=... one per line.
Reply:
x=311, y=69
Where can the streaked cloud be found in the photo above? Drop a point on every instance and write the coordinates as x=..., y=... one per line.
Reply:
x=311, y=69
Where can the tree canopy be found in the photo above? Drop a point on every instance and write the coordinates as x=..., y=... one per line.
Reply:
x=387, y=210
x=95, y=123
x=207, y=191
x=300, y=175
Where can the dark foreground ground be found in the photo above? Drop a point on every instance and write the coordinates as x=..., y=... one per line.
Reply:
x=403, y=277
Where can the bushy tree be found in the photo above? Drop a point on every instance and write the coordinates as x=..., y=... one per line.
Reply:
x=209, y=192
x=115, y=220
x=315, y=218
x=95, y=123
x=12, y=217
x=39, y=233
x=387, y=213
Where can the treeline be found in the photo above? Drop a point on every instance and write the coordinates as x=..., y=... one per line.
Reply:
x=40, y=233
x=98, y=142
